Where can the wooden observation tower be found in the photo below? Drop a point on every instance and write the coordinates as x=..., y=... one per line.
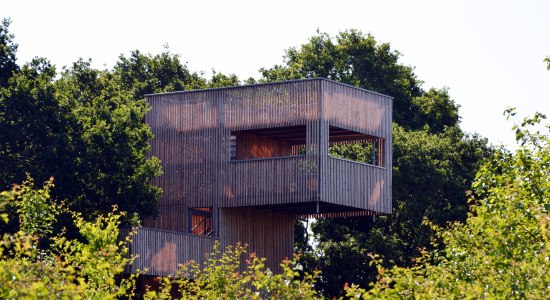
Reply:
x=242, y=163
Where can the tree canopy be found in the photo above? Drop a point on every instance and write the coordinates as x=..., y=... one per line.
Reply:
x=84, y=130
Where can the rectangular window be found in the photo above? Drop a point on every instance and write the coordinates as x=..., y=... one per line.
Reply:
x=201, y=221
x=267, y=142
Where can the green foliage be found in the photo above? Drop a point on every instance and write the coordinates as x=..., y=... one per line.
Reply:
x=501, y=250
x=219, y=80
x=69, y=268
x=436, y=109
x=8, y=50
x=362, y=152
x=36, y=214
x=108, y=144
x=30, y=121
x=143, y=74
x=223, y=276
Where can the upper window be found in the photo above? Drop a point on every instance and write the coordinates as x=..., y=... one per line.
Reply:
x=291, y=141
x=267, y=142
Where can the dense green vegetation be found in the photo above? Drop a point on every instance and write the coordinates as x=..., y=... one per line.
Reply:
x=501, y=250
x=67, y=268
x=85, y=128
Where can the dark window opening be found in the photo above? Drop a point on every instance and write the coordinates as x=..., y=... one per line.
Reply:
x=352, y=145
x=292, y=140
x=201, y=221
x=268, y=142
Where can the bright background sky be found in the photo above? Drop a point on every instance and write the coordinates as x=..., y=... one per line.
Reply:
x=488, y=53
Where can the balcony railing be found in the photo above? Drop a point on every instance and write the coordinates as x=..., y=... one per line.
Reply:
x=159, y=252
x=295, y=180
x=357, y=184
x=270, y=181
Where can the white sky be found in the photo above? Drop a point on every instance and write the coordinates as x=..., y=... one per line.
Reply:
x=489, y=53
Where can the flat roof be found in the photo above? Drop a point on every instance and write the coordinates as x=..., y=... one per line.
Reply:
x=270, y=83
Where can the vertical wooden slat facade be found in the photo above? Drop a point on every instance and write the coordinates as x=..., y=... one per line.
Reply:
x=160, y=252
x=350, y=183
x=279, y=167
x=268, y=234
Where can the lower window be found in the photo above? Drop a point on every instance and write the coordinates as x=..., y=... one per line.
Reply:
x=201, y=221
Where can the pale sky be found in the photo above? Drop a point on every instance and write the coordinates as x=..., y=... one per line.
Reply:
x=488, y=53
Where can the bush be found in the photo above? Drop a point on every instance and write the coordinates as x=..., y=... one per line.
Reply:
x=501, y=251
x=65, y=268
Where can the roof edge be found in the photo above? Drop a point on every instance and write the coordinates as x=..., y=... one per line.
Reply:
x=271, y=83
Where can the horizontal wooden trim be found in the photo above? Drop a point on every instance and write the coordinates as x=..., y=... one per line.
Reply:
x=273, y=84
x=268, y=158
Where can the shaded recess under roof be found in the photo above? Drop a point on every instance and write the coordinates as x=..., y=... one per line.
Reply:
x=296, y=135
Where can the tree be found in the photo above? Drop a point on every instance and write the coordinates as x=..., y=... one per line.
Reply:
x=31, y=121
x=83, y=128
x=501, y=250
x=142, y=74
x=359, y=60
x=8, y=50
x=219, y=80
x=107, y=161
x=436, y=109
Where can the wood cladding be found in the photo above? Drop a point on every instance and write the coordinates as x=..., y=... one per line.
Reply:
x=193, y=138
x=268, y=234
x=160, y=252
x=280, y=180
x=171, y=217
x=356, y=184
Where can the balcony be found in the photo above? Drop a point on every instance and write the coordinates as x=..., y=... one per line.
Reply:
x=294, y=184
x=160, y=252
x=270, y=181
